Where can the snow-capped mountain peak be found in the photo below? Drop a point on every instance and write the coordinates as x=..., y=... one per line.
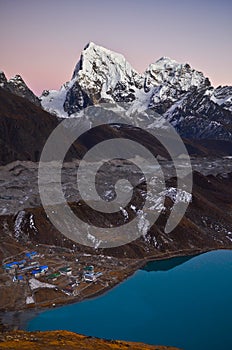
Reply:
x=99, y=70
x=94, y=55
x=168, y=71
x=165, y=61
x=100, y=75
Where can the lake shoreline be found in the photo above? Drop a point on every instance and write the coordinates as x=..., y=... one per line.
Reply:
x=18, y=319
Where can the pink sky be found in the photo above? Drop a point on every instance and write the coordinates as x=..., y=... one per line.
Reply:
x=42, y=40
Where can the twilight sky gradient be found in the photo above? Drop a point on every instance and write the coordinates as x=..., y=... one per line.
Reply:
x=42, y=40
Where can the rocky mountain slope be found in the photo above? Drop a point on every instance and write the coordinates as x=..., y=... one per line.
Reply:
x=206, y=225
x=183, y=95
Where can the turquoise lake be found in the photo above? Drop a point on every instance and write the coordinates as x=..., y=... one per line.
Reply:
x=184, y=302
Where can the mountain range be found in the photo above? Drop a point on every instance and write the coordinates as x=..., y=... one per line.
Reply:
x=184, y=96
x=199, y=112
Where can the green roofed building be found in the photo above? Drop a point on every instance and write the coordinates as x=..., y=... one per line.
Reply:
x=89, y=268
x=53, y=276
x=67, y=270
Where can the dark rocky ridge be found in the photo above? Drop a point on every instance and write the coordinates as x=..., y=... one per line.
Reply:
x=17, y=86
x=25, y=127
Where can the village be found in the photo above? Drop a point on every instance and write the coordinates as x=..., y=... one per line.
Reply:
x=50, y=277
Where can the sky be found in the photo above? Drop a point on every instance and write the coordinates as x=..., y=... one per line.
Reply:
x=42, y=40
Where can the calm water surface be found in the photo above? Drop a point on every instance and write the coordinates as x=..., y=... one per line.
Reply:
x=184, y=302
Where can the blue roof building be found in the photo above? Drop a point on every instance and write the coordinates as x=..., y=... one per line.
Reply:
x=11, y=265
x=22, y=261
x=39, y=270
x=18, y=278
x=31, y=254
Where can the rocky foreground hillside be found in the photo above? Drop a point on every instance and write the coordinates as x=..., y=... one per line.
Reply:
x=64, y=340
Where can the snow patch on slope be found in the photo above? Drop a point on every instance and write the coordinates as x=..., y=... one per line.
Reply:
x=18, y=223
x=53, y=101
